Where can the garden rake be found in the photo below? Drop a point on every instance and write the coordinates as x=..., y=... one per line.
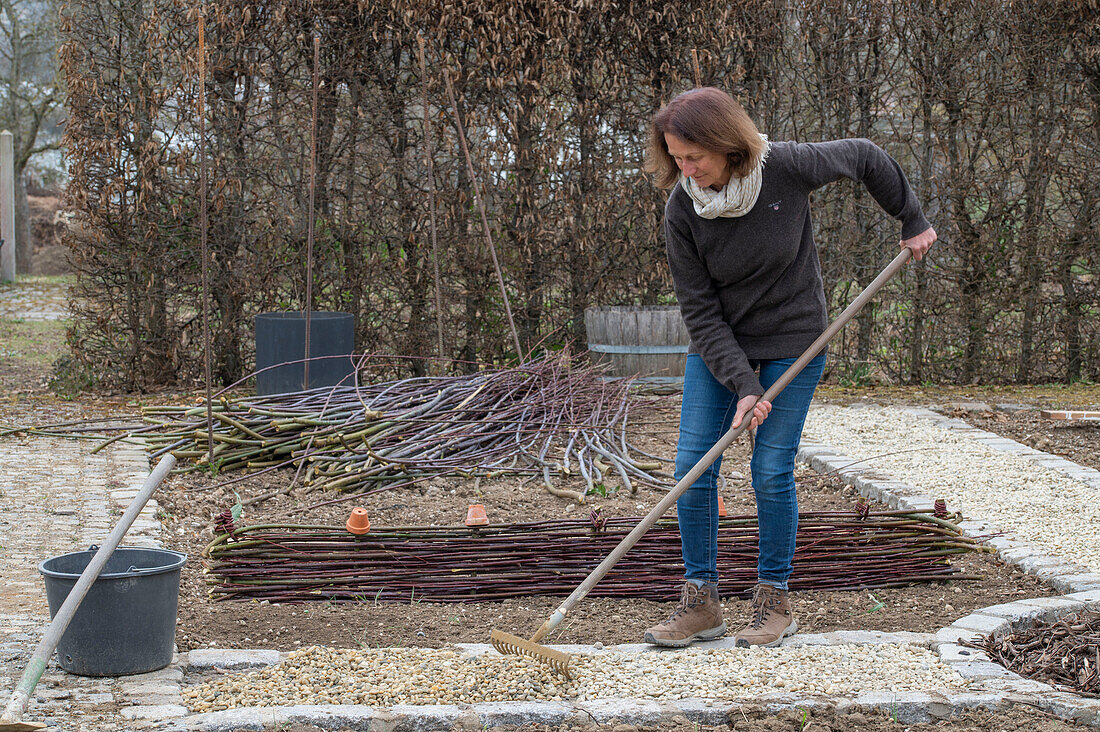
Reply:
x=507, y=643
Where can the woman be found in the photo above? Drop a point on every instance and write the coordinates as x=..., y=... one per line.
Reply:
x=746, y=273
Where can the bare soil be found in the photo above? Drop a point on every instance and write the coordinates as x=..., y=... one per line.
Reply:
x=191, y=505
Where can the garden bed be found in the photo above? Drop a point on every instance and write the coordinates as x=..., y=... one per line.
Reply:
x=191, y=505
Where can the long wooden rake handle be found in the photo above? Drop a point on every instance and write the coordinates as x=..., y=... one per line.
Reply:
x=705, y=462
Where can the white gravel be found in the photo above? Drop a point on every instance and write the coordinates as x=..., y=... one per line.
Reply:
x=1054, y=512
x=388, y=676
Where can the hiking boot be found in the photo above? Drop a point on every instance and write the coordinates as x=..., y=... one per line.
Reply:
x=697, y=617
x=771, y=621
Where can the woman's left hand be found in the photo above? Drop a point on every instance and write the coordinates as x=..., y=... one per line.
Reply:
x=753, y=405
x=920, y=243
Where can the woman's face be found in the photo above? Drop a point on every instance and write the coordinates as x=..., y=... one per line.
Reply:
x=706, y=167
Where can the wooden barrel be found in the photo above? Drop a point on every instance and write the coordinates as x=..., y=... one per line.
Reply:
x=649, y=342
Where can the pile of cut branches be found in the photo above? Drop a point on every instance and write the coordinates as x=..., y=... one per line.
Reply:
x=1065, y=654
x=834, y=551
x=549, y=417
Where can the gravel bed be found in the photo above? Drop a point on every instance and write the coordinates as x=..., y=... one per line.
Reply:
x=388, y=676
x=1042, y=506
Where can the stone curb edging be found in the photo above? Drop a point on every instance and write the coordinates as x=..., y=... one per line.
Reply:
x=904, y=707
x=1061, y=574
x=994, y=688
x=1082, y=585
x=146, y=528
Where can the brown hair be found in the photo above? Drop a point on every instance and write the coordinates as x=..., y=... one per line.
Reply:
x=711, y=119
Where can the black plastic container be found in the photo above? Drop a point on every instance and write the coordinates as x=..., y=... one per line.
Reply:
x=126, y=623
x=281, y=338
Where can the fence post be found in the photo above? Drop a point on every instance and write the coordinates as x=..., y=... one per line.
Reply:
x=7, y=207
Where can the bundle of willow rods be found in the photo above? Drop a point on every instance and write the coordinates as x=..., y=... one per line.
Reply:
x=1065, y=654
x=834, y=551
x=547, y=417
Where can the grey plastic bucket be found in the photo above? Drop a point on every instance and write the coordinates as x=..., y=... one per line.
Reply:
x=127, y=621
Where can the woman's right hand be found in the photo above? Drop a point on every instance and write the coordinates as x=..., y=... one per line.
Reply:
x=920, y=243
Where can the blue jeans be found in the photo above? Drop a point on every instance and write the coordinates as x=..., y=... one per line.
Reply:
x=705, y=415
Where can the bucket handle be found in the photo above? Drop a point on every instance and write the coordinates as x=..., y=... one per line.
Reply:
x=134, y=571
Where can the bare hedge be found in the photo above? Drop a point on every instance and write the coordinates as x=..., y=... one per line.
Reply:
x=993, y=108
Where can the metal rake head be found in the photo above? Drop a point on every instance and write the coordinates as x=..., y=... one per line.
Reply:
x=513, y=645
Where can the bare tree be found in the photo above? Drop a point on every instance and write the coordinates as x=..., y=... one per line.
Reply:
x=30, y=96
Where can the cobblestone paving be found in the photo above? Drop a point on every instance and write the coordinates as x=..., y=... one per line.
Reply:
x=33, y=298
x=55, y=498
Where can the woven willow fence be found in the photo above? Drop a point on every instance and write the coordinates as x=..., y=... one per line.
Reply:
x=993, y=108
x=836, y=550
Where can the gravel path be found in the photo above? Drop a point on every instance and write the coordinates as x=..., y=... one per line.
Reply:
x=1042, y=506
x=384, y=677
